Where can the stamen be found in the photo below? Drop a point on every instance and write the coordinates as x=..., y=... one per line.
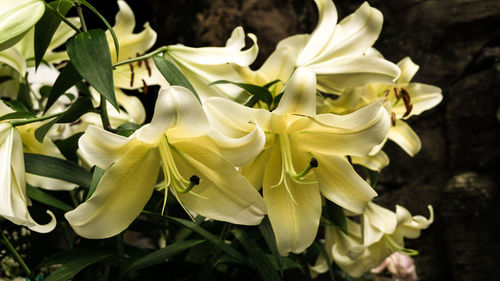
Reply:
x=386, y=93
x=148, y=68
x=393, y=119
x=139, y=63
x=131, y=75
x=145, y=89
x=312, y=164
x=395, y=247
x=407, y=101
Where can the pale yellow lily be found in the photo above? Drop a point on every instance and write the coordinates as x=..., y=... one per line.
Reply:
x=298, y=141
x=16, y=18
x=204, y=65
x=402, y=100
x=13, y=198
x=195, y=172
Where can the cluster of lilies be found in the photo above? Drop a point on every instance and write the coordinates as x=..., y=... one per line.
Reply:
x=222, y=153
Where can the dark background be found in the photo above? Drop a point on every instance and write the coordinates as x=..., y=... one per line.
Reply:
x=457, y=44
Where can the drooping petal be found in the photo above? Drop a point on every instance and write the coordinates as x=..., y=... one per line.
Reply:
x=405, y=137
x=374, y=162
x=352, y=134
x=231, y=53
x=132, y=106
x=409, y=226
x=12, y=176
x=408, y=70
x=120, y=196
x=294, y=209
x=279, y=65
x=340, y=184
x=300, y=94
x=377, y=221
x=327, y=21
x=423, y=97
x=354, y=34
x=222, y=193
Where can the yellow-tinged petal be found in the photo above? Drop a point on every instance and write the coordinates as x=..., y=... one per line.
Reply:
x=423, y=97
x=405, y=137
x=374, y=162
x=120, y=196
x=409, y=226
x=16, y=18
x=340, y=184
x=377, y=221
x=13, y=196
x=327, y=21
x=294, y=209
x=300, y=94
x=408, y=70
x=132, y=106
x=145, y=74
x=14, y=59
x=254, y=171
x=354, y=34
x=222, y=193
x=352, y=134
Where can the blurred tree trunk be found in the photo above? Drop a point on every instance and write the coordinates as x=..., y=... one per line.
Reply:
x=456, y=43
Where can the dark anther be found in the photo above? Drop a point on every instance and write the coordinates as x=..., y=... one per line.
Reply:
x=396, y=92
x=148, y=68
x=131, y=75
x=386, y=93
x=393, y=118
x=145, y=89
x=195, y=179
x=139, y=63
x=407, y=101
x=313, y=163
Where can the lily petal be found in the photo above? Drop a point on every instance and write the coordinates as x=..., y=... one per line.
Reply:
x=254, y=171
x=14, y=59
x=300, y=94
x=373, y=162
x=405, y=137
x=352, y=134
x=222, y=194
x=16, y=18
x=377, y=221
x=340, y=184
x=120, y=196
x=410, y=226
x=423, y=97
x=294, y=209
x=408, y=70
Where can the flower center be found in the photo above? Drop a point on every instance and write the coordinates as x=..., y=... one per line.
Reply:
x=287, y=167
x=400, y=94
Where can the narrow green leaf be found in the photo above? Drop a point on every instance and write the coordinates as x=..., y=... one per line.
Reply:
x=47, y=26
x=47, y=199
x=267, y=232
x=216, y=241
x=81, y=106
x=268, y=85
x=69, y=146
x=262, y=93
x=96, y=178
x=56, y=168
x=160, y=255
x=16, y=105
x=106, y=23
x=68, y=77
x=71, y=268
x=89, y=53
x=173, y=75
x=257, y=256
x=17, y=115
x=336, y=215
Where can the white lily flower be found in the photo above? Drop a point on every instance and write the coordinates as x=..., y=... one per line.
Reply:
x=13, y=196
x=138, y=74
x=202, y=179
x=402, y=100
x=16, y=18
x=337, y=53
x=204, y=65
x=298, y=141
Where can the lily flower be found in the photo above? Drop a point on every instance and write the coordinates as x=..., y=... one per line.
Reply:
x=402, y=99
x=303, y=156
x=204, y=65
x=16, y=18
x=138, y=74
x=335, y=52
x=13, y=198
x=201, y=179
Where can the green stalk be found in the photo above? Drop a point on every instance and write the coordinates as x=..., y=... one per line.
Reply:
x=16, y=255
x=143, y=57
x=103, y=112
x=62, y=17
x=33, y=120
x=80, y=14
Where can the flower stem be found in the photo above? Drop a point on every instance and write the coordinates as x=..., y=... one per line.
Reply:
x=143, y=57
x=62, y=17
x=80, y=14
x=16, y=255
x=33, y=120
x=103, y=112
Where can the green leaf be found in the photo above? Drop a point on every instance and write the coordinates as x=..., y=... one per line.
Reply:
x=68, y=77
x=216, y=241
x=17, y=115
x=96, y=178
x=47, y=26
x=173, y=75
x=336, y=215
x=81, y=106
x=262, y=93
x=23, y=95
x=47, y=199
x=267, y=232
x=56, y=168
x=89, y=53
x=69, y=146
x=75, y=265
x=106, y=23
x=16, y=105
x=257, y=256
x=160, y=255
